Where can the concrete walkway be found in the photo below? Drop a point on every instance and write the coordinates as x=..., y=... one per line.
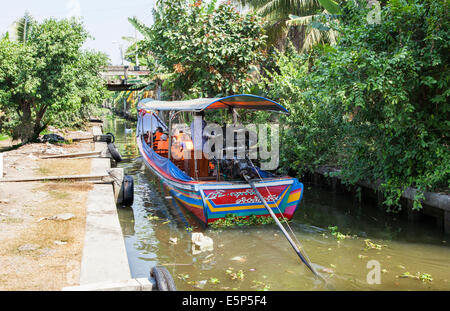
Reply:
x=104, y=264
x=104, y=254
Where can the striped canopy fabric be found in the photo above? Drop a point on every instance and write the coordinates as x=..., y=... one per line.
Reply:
x=243, y=101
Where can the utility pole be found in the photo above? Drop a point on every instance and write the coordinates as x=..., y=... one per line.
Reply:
x=121, y=50
x=121, y=53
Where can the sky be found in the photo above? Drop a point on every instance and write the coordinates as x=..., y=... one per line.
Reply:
x=105, y=20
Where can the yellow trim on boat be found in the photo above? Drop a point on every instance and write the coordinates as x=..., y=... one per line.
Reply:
x=294, y=197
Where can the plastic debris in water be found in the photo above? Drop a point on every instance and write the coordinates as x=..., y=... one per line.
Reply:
x=239, y=258
x=201, y=243
x=201, y=284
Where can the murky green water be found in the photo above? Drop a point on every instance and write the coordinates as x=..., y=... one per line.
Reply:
x=262, y=256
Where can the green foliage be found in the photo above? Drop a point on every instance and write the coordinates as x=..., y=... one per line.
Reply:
x=310, y=133
x=376, y=104
x=3, y=137
x=48, y=79
x=338, y=235
x=231, y=220
x=331, y=6
x=206, y=51
x=424, y=277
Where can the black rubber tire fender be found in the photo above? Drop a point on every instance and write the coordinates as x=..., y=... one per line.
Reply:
x=128, y=190
x=169, y=280
x=113, y=138
x=160, y=279
x=114, y=152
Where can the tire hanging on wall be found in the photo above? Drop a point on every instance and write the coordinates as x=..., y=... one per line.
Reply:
x=105, y=138
x=113, y=138
x=114, y=152
x=170, y=283
x=163, y=279
x=127, y=190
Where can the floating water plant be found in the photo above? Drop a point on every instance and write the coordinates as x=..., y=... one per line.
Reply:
x=424, y=277
x=231, y=220
x=183, y=277
x=260, y=286
x=235, y=275
x=370, y=245
x=214, y=280
x=152, y=217
x=338, y=235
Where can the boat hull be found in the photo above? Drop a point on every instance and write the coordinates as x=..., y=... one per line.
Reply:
x=211, y=201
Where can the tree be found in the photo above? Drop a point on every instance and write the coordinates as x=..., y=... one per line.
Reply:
x=206, y=50
x=48, y=77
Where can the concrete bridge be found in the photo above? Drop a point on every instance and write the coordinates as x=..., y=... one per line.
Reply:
x=124, y=78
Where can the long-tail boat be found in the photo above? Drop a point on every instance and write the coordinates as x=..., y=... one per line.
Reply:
x=202, y=186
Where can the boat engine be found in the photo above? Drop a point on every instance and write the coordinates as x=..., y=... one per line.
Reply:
x=236, y=168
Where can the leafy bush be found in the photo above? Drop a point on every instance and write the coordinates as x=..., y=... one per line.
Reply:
x=376, y=103
x=310, y=134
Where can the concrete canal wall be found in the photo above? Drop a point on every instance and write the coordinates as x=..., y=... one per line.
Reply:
x=104, y=263
x=436, y=205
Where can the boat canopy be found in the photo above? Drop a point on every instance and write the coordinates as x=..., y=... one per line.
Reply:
x=243, y=101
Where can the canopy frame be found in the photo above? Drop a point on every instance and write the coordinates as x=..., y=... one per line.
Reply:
x=241, y=101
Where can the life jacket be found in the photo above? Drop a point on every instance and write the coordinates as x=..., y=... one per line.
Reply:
x=156, y=139
x=163, y=145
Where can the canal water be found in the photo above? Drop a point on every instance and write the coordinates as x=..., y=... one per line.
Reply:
x=354, y=247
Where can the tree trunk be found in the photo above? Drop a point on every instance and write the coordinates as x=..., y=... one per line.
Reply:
x=25, y=130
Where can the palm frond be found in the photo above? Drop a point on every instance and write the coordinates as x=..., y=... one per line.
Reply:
x=23, y=28
x=313, y=37
x=277, y=13
x=140, y=26
x=300, y=20
x=282, y=7
x=129, y=39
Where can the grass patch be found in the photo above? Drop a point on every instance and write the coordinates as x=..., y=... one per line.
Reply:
x=63, y=167
x=59, y=195
x=11, y=220
x=65, y=186
x=4, y=137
